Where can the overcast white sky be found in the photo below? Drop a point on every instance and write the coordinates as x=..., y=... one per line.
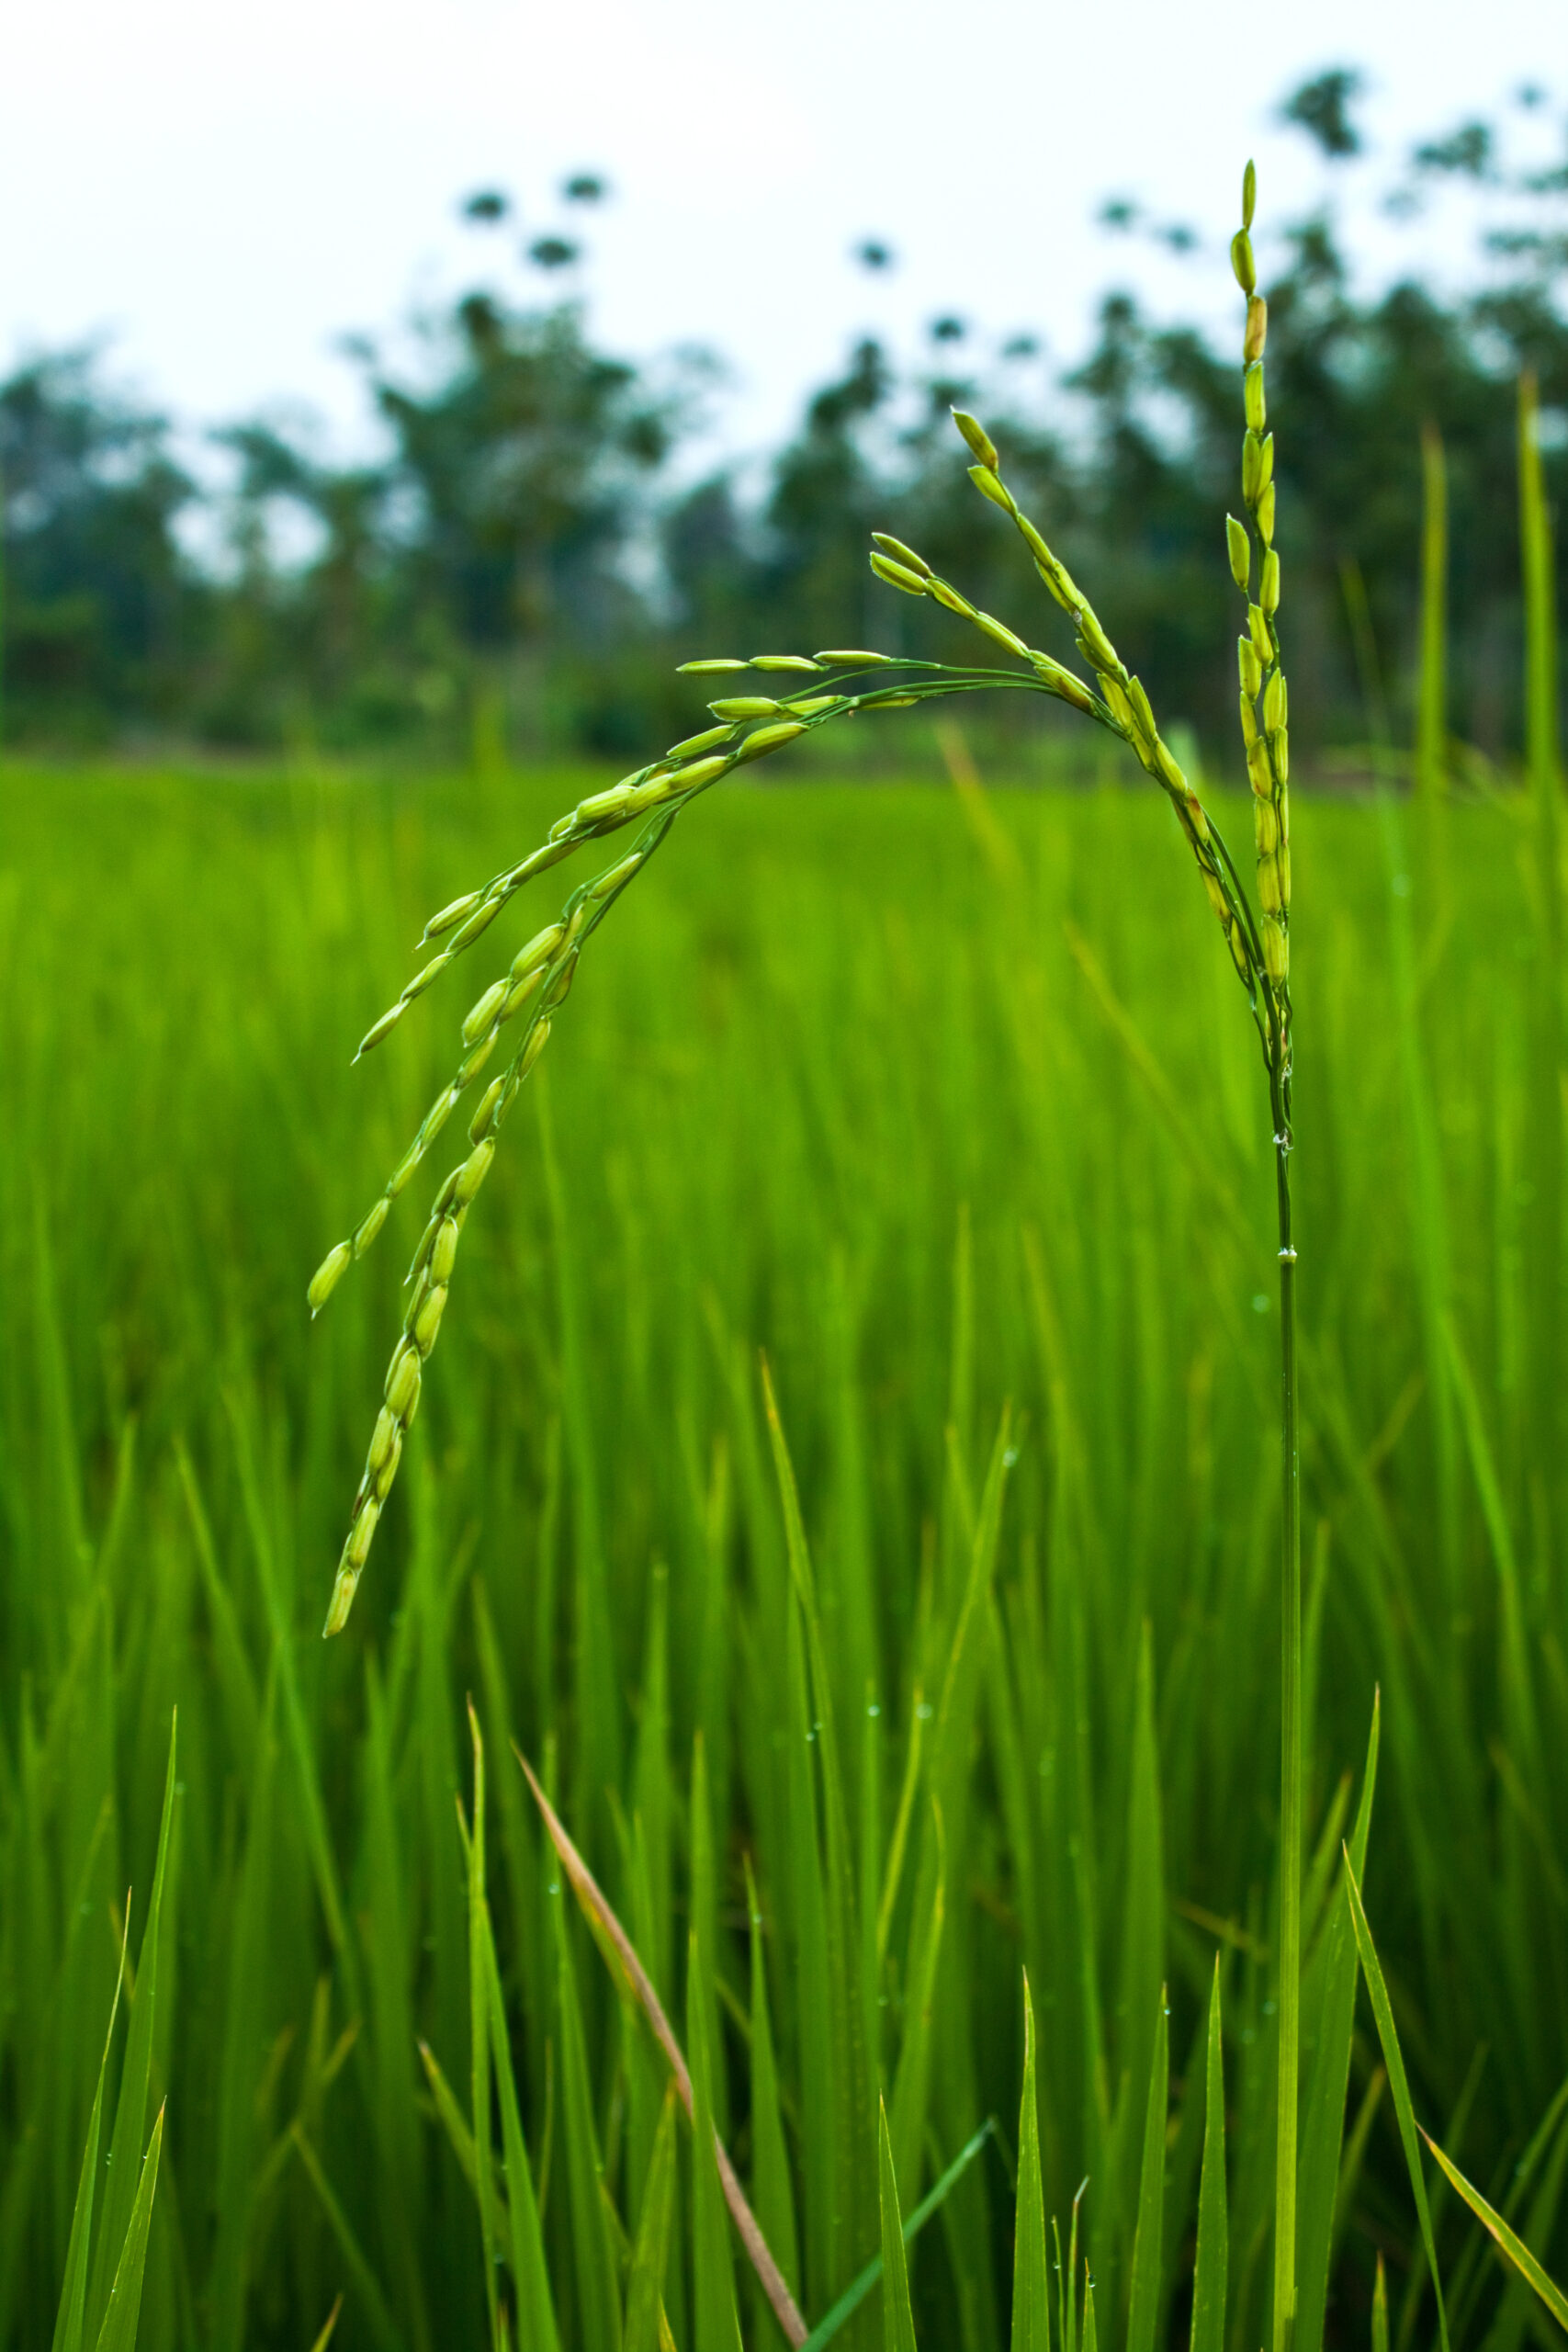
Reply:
x=225, y=188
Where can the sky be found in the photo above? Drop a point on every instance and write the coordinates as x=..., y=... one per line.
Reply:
x=221, y=192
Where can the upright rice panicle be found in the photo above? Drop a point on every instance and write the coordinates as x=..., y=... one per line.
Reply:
x=1121, y=704
x=1264, y=699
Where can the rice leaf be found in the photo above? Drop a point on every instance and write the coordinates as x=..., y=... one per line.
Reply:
x=807, y=1909
x=704, y=1915
x=479, y=2028
x=859, y=2286
x=1147, y=2242
x=454, y=2120
x=131, y=2111
x=1398, y=2083
x=897, y=2319
x=328, y=2327
x=651, y=2255
x=713, y=2268
x=1513, y=2246
x=1144, y=1898
x=1517, y=2314
x=593, y=2249
x=518, y=2213
x=911, y=2086
x=1212, y=2260
x=1030, y=2281
x=390, y=1979
x=772, y=2196
x=117, y=2333
x=653, y=1786
x=1070, y=2312
x=367, y=2286
x=630, y=1974
x=68, y=2327
x=318, y=1838
x=854, y=2220
x=1329, y=2013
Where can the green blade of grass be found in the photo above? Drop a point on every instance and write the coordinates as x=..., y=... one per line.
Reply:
x=389, y=1984
x=317, y=1835
x=854, y=2220
x=911, y=2084
x=773, y=2198
x=651, y=2255
x=454, y=2120
x=251, y=1908
x=713, y=2268
x=652, y=1787
x=806, y=1910
x=520, y=2219
x=69, y=2325
x=1071, y=2291
x=1149, y=2232
x=1415, y=2285
x=1030, y=2281
x=1393, y=2060
x=241, y=1706
x=598, y=1713
x=897, y=2319
x=478, y=2027
x=1143, y=1902
x=1212, y=2260
x=1520, y=1717
x=328, y=2327
x=855, y=2293
x=1513, y=2246
x=705, y=1916
x=1331, y=2017
x=123, y=2315
x=593, y=2251
x=621, y=1958
x=367, y=2286
x=1509, y=2328
x=131, y=2112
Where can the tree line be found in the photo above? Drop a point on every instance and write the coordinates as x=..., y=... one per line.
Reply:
x=529, y=557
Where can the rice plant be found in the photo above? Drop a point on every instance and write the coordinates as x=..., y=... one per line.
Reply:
x=858, y=1712
x=532, y=991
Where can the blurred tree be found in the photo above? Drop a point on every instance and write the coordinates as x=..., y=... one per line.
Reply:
x=521, y=472
x=100, y=611
x=1322, y=109
x=523, y=533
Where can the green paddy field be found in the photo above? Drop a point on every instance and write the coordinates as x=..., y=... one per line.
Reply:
x=948, y=1106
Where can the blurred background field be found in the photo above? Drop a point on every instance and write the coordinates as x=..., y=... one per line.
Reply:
x=530, y=526
x=940, y=1098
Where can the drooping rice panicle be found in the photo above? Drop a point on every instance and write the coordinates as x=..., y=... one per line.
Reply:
x=537, y=982
x=534, y=986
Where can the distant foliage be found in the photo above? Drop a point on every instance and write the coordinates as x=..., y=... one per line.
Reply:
x=523, y=559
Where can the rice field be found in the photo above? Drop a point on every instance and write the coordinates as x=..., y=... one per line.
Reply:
x=938, y=1102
